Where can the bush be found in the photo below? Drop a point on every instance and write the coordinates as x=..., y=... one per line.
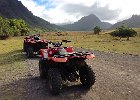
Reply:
x=12, y=27
x=124, y=32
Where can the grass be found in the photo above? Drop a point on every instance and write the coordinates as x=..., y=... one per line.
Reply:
x=102, y=42
x=11, y=59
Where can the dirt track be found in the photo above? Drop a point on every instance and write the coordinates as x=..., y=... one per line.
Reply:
x=117, y=78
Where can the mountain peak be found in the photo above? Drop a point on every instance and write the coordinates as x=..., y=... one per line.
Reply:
x=92, y=15
x=90, y=19
x=133, y=22
x=87, y=23
x=134, y=16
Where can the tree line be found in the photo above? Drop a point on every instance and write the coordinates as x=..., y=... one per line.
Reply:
x=12, y=27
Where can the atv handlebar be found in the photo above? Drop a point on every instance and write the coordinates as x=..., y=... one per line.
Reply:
x=58, y=44
x=66, y=41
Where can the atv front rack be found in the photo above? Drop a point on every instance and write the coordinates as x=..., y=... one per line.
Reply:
x=64, y=58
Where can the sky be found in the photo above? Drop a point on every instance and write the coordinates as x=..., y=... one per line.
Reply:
x=69, y=11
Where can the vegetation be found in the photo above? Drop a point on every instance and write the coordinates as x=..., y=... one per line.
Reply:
x=37, y=31
x=12, y=27
x=102, y=42
x=97, y=29
x=12, y=62
x=124, y=32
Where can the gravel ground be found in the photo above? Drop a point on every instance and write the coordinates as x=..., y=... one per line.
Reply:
x=117, y=78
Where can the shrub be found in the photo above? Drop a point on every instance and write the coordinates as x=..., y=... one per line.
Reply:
x=97, y=29
x=12, y=27
x=124, y=32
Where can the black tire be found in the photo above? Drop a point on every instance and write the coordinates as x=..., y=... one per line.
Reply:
x=30, y=52
x=55, y=81
x=42, y=69
x=87, y=76
x=24, y=47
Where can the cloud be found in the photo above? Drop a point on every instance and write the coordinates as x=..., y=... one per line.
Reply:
x=67, y=11
x=104, y=13
x=33, y=7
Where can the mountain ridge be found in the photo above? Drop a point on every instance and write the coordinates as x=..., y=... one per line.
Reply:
x=87, y=23
x=132, y=22
x=15, y=9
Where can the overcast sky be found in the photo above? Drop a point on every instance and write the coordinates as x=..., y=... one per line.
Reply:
x=68, y=11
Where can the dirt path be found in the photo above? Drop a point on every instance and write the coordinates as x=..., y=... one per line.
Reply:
x=118, y=78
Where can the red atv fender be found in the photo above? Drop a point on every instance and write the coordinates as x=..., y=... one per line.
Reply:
x=59, y=59
x=90, y=56
x=46, y=54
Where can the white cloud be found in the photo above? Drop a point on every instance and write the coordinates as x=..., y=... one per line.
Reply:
x=128, y=7
x=33, y=7
x=61, y=13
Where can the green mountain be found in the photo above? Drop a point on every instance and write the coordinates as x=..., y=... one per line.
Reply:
x=133, y=22
x=87, y=23
x=15, y=9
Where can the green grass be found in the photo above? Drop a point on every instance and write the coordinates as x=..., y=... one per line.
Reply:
x=11, y=59
x=102, y=42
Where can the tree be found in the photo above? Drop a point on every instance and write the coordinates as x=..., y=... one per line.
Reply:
x=19, y=26
x=97, y=29
x=12, y=27
x=124, y=32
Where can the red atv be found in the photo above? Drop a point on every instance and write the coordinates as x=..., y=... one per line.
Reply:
x=60, y=64
x=32, y=44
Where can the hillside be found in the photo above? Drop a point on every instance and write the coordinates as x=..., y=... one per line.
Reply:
x=133, y=22
x=87, y=23
x=15, y=9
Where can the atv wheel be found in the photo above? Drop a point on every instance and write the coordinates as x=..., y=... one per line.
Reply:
x=24, y=47
x=30, y=52
x=42, y=68
x=87, y=76
x=55, y=81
